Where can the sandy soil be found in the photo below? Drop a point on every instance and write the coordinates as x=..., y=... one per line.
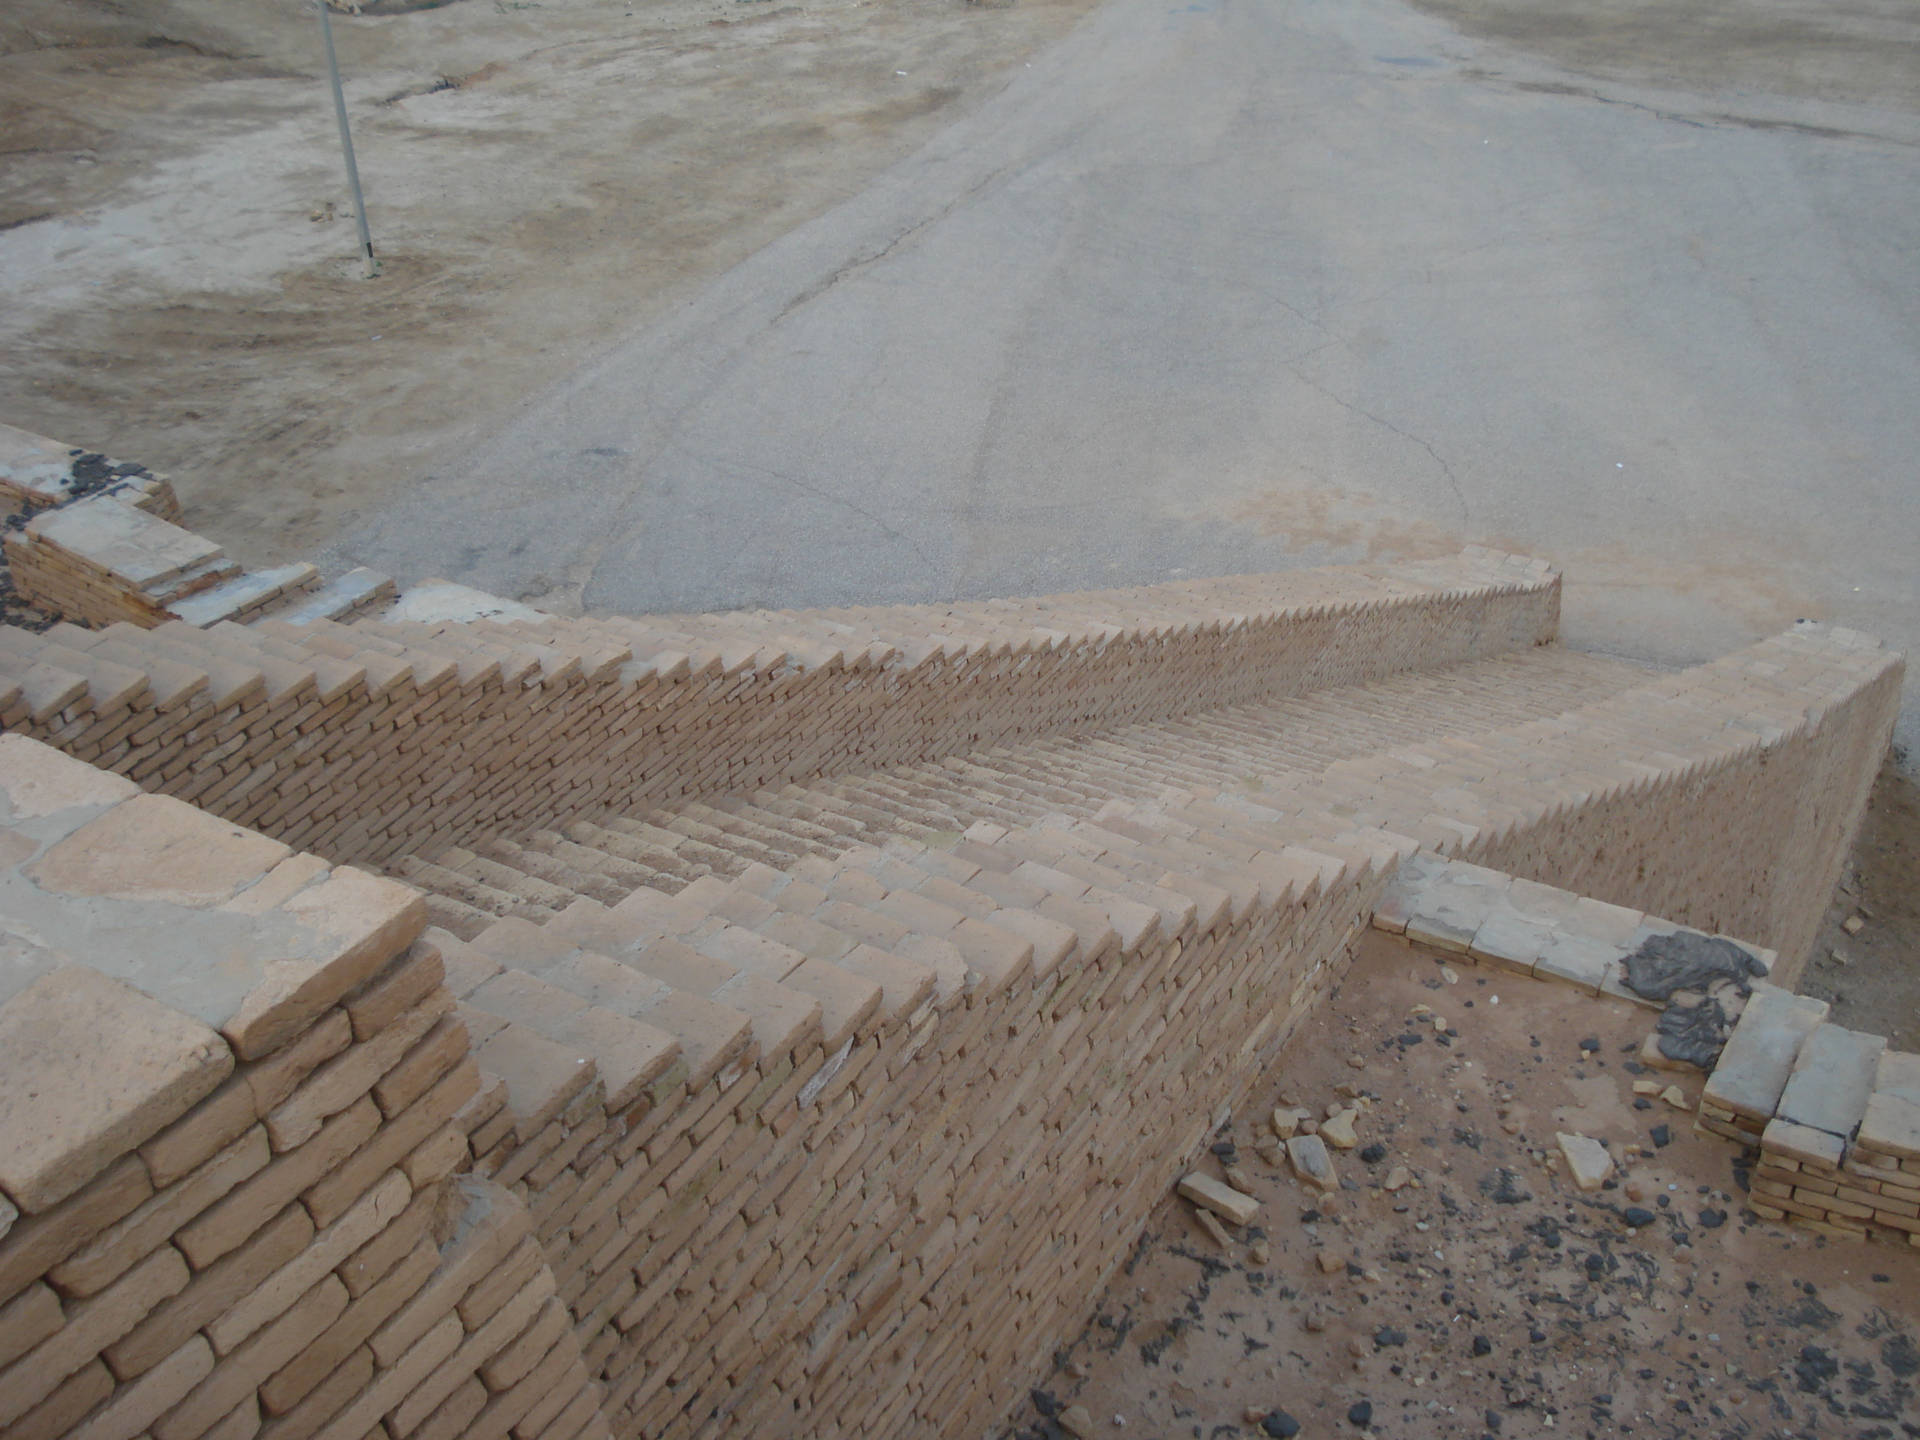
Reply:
x=1490, y=1296
x=176, y=246
x=1871, y=971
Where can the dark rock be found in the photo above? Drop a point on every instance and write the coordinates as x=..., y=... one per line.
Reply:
x=1590, y=1044
x=1538, y=1337
x=1693, y=1034
x=1374, y=1153
x=1482, y=1345
x=1689, y=961
x=1662, y=1136
x=1640, y=1102
x=1503, y=1188
x=1814, y=1369
x=1044, y=1402
x=1712, y=1219
x=1280, y=1425
x=1900, y=1355
x=1360, y=1413
x=1637, y=1216
x=1493, y=1421
x=1386, y=1337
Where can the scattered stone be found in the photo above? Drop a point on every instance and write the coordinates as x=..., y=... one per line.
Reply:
x=1374, y=1153
x=1646, y=1087
x=1482, y=1345
x=1399, y=1178
x=1450, y=975
x=1712, y=1219
x=1259, y=1252
x=1337, y=1129
x=1635, y=1216
x=1215, y=1230
x=1661, y=1135
x=1313, y=1321
x=1330, y=1262
x=1590, y=1044
x=1077, y=1422
x=1238, y=1178
x=1503, y=1187
x=1387, y=1338
x=1586, y=1158
x=1853, y=924
x=1286, y=1121
x=1271, y=1151
x=1224, y=1201
x=1311, y=1162
x=1357, y=1062
x=1280, y=1425
x=1676, y=1097
x=1360, y=1413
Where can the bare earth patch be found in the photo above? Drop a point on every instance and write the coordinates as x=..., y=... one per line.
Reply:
x=1487, y=1295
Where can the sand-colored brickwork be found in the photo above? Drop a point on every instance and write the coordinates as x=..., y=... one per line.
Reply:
x=366, y=741
x=834, y=1140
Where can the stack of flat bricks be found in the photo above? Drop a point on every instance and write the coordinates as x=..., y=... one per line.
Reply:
x=102, y=560
x=39, y=474
x=366, y=741
x=1833, y=1112
x=232, y=1098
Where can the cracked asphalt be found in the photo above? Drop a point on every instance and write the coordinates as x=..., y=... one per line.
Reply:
x=1221, y=286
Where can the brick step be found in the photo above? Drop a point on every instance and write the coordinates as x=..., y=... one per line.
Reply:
x=1236, y=752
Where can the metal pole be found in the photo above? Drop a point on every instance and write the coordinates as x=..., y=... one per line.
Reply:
x=346, y=144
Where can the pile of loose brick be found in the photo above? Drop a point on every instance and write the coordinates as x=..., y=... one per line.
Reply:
x=838, y=1136
x=1834, y=1114
x=233, y=1100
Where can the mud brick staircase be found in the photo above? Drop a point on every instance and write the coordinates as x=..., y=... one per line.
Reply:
x=814, y=1004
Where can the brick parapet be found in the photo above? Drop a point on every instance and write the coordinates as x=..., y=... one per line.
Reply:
x=367, y=741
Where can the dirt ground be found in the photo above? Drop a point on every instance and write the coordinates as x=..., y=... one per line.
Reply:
x=1871, y=973
x=177, y=249
x=1490, y=1296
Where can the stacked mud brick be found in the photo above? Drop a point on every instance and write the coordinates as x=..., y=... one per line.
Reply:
x=99, y=541
x=232, y=1098
x=1834, y=1113
x=982, y=918
x=367, y=741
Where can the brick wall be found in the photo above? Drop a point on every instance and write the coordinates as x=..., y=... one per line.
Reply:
x=230, y=1204
x=363, y=742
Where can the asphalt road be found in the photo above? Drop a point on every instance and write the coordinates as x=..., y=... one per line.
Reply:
x=1229, y=285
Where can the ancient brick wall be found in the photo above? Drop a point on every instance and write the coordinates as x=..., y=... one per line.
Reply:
x=232, y=1108
x=363, y=742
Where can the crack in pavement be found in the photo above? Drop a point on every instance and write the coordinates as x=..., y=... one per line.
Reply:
x=1453, y=481
x=891, y=532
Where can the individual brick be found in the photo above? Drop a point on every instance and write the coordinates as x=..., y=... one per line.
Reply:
x=402, y=985
x=134, y=1407
x=212, y=1125
x=338, y=1343
x=26, y=1320
x=89, y=1069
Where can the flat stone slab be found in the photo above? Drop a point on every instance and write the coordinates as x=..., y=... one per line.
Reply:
x=1587, y=1160
x=1578, y=960
x=1803, y=1143
x=1831, y=1080
x=1510, y=938
x=140, y=548
x=434, y=602
x=1892, y=1126
x=1311, y=1162
x=90, y=1068
x=1759, y=1055
x=243, y=593
x=1897, y=1073
x=1222, y=1199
